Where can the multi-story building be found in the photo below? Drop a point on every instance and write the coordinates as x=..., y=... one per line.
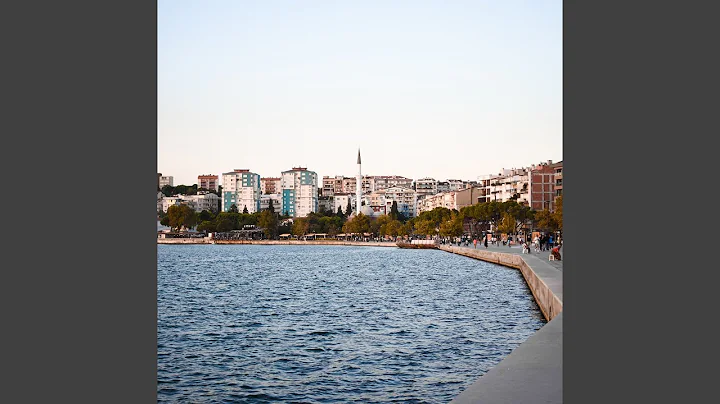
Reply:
x=470, y=196
x=406, y=200
x=340, y=200
x=558, y=179
x=441, y=200
x=443, y=186
x=208, y=182
x=158, y=184
x=166, y=180
x=276, y=201
x=332, y=185
x=203, y=201
x=349, y=184
x=299, y=192
x=270, y=185
x=326, y=203
x=389, y=181
x=242, y=189
x=506, y=185
x=426, y=186
x=543, y=185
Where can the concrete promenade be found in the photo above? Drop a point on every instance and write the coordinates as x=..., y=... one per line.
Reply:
x=532, y=373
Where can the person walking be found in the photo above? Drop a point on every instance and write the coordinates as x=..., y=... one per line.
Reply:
x=475, y=243
x=486, y=242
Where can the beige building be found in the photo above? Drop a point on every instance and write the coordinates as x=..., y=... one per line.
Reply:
x=442, y=200
x=270, y=185
x=208, y=181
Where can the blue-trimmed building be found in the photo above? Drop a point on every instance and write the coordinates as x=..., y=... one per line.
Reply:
x=242, y=189
x=299, y=192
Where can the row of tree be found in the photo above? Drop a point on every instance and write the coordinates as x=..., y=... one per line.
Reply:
x=504, y=217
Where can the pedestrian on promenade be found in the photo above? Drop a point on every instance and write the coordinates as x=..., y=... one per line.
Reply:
x=550, y=241
x=474, y=243
x=486, y=243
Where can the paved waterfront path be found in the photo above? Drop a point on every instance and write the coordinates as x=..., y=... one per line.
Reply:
x=542, y=255
x=532, y=373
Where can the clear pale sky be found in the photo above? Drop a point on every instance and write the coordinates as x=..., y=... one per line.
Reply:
x=425, y=88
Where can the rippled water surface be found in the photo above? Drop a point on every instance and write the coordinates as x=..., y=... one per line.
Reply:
x=312, y=324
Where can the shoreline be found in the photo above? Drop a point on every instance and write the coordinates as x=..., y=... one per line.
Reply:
x=180, y=241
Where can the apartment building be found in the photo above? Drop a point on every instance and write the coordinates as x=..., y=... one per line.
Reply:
x=544, y=187
x=208, y=182
x=340, y=200
x=406, y=200
x=270, y=185
x=166, y=180
x=389, y=181
x=299, y=192
x=441, y=200
x=506, y=185
x=426, y=186
x=242, y=189
x=332, y=185
x=276, y=199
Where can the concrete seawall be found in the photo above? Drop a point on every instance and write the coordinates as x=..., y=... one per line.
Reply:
x=544, y=281
x=274, y=242
x=532, y=373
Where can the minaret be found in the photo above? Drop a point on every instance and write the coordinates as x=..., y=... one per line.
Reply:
x=358, y=186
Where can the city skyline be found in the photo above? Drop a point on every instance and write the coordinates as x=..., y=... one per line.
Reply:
x=447, y=91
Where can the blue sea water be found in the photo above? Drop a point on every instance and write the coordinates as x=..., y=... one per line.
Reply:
x=317, y=324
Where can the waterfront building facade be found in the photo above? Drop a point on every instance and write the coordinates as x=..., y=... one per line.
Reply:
x=203, y=201
x=299, y=192
x=544, y=187
x=242, y=189
x=208, y=182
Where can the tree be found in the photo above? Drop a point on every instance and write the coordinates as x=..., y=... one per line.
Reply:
x=207, y=226
x=300, y=226
x=358, y=224
x=205, y=216
x=245, y=211
x=268, y=221
x=558, y=213
x=507, y=224
x=348, y=209
x=168, y=190
x=271, y=208
x=180, y=216
x=452, y=227
x=233, y=209
x=339, y=212
x=546, y=221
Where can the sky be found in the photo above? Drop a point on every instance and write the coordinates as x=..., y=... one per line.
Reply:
x=448, y=90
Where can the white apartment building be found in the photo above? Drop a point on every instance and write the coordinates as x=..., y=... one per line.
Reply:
x=442, y=200
x=406, y=200
x=276, y=201
x=299, y=192
x=507, y=183
x=443, y=186
x=341, y=200
x=426, y=186
x=242, y=189
x=203, y=201
x=390, y=181
x=166, y=180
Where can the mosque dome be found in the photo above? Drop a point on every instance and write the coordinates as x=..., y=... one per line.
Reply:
x=366, y=210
